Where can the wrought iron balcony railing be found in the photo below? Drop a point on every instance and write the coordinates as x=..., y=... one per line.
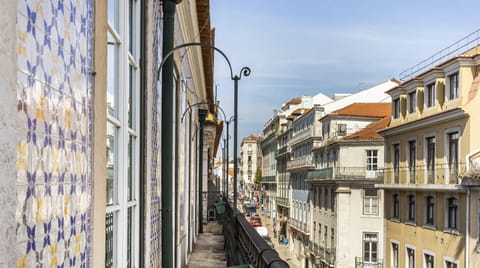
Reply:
x=363, y=263
x=345, y=173
x=437, y=174
x=305, y=162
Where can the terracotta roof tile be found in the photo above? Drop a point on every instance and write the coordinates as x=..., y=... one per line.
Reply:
x=365, y=109
x=370, y=132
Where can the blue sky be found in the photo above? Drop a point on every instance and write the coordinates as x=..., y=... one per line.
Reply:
x=304, y=47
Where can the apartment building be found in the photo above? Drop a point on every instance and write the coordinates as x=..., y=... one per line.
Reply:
x=431, y=215
x=346, y=224
x=250, y=162
x=81, y=182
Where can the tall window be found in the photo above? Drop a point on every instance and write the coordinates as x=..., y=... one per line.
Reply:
x=430, y=210
x=332, y=199
x=453, y=83
x=394, y=260
x=429, y=260
x=372, y=159
x=412, y=102
x=430, y=95
x=370, y=202
x=342, y=129
x=396, y=108
x=123, y=73
x=453, y=155
x=396, y=206
x=396, y=162
x=370, y=241
x=452, y=213
x=430, y=159
x=412, y=161
x=411, y=208
x=410, y=258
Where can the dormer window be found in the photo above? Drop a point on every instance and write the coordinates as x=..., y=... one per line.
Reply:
x=412, y=102
x=430, y=95
x=453, y=86
x=396, y=108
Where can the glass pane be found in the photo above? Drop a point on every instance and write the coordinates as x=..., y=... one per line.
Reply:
x=129, y=237
x=130, y=192
x=130, y=97
x=112, y=76
x=113, y=13
x=109, y=239
x=111, y=163
x=131, y=25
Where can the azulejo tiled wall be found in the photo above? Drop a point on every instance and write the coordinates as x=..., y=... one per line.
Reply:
x=54, y=144
x=155, y=182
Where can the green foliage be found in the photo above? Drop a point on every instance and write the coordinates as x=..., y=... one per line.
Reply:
x=258, y=177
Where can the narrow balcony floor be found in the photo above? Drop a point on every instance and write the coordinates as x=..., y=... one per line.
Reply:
x=209, y=251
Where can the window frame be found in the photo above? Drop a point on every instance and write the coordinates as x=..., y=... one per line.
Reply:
x=430, y=206
x=412, y=102
x=453, y=91
x=411, y=208
x=426, y=254
x=395, y=258
x=412, y=161
x=372, y=250
x=408, y=249
x=369, y=202
x=125, y=118
x=372, y=159
x=430, y=95
x=396, y=108
x=452, y=214
x=396, y=206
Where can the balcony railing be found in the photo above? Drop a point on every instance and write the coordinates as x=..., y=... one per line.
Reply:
x=302, y=135
x=300, y=163
x=243, y=244
x=438, y=174
x=345, y=173
x=283, y=150
x=268, y=179
x=268, y=139
x=283, y=201
x=374, y=263
x=321, y=254
x=299, y=225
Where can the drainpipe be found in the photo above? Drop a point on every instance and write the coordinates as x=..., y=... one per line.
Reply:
x=467, y=232
x=143, y=123
x=168, y=98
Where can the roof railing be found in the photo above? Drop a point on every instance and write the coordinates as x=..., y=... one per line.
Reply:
x=457, y=48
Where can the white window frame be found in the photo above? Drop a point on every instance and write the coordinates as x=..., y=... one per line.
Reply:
x=426, y=252
x=450, y=260
x=120, y=120
x=377, y=244
x=392, y=255
x=411, y=247
x=369, y=202
x=448, y=92
x=373, y=163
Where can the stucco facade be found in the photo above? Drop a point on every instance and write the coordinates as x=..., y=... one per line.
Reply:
x=431, y=217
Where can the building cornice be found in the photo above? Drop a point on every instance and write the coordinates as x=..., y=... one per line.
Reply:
x=421, y=187
x=428, y=121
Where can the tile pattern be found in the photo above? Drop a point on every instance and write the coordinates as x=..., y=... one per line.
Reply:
x=54, y=143
x=155, y=186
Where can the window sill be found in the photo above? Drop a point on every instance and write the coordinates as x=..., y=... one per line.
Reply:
x=452, y=231
x=395, y=220
x=430, y=227
x=411, y=223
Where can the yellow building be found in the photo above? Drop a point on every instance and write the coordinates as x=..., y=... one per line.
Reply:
x=435, y=122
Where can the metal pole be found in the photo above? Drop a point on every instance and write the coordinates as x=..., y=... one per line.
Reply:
x=201, y=118
x=228, y=160
x=235, y=136
x=224, y=173
x=168, y=95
